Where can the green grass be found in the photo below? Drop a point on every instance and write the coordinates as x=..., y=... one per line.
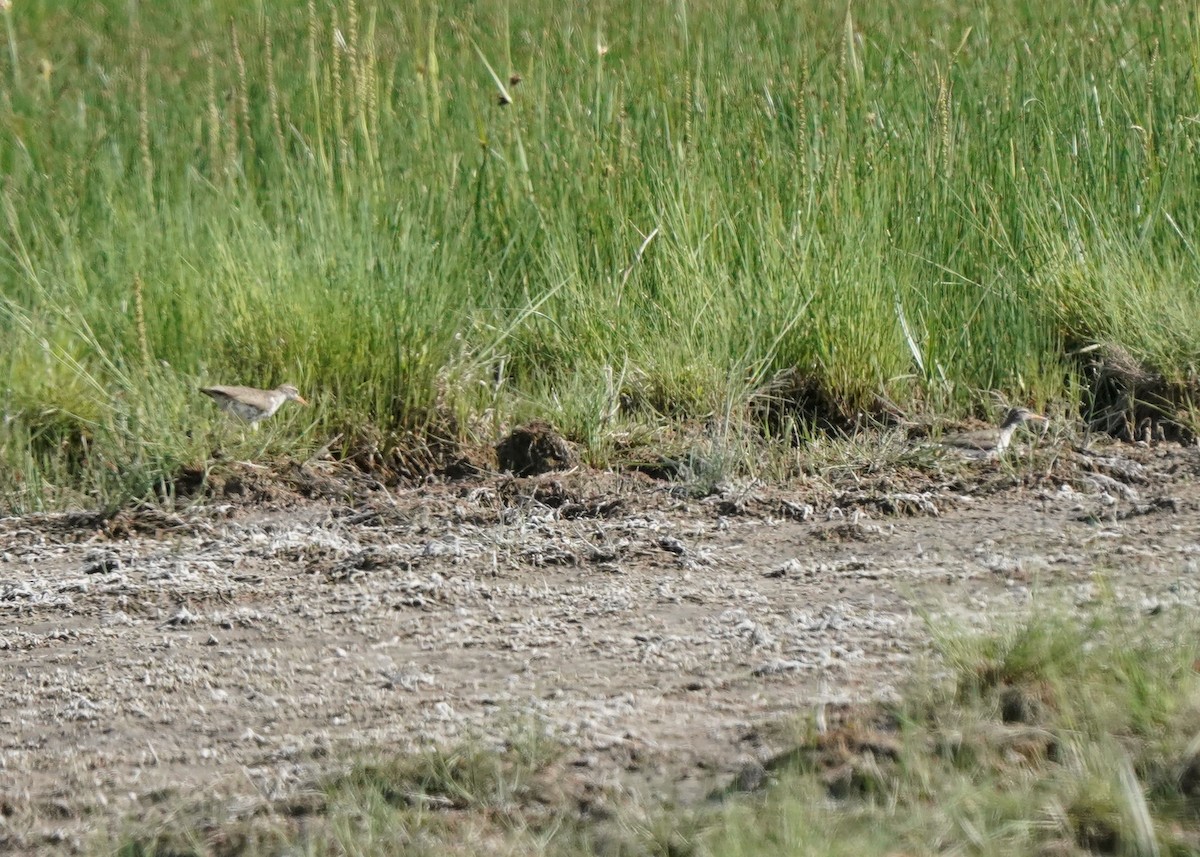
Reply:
x=929, y=201
x=1056, y=735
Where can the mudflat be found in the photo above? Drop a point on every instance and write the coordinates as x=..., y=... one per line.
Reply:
x=241, y=647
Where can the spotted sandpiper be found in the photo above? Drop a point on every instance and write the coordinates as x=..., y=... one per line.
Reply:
x=991, y=442
x=250, y=403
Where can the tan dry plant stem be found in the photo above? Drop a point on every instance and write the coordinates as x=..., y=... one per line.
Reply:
x=71, y=177
x=139, y=318
x=339, y=116
x=372, y=75
x=802, y=142
x=943, y=108
x=352, y=57
x=144, y=125
x=851, y=58
x=214, y=114
x=230, y=139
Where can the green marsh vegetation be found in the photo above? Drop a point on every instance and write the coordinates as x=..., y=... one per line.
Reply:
x=438, y=220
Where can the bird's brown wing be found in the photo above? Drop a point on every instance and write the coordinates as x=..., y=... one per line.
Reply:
x=985, y=439
x=237, y=394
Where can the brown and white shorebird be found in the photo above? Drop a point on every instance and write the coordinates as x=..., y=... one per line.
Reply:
x=250, y=403
x=991, y=442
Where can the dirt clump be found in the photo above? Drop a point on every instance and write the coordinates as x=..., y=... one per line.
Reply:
x=534, y=448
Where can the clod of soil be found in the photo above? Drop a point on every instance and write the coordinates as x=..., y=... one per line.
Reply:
x=533, y=449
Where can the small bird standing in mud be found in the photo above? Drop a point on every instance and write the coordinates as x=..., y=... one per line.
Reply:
x=252, y=404
x=992, y=442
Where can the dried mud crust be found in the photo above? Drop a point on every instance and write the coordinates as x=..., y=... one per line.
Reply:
x=237, y=651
